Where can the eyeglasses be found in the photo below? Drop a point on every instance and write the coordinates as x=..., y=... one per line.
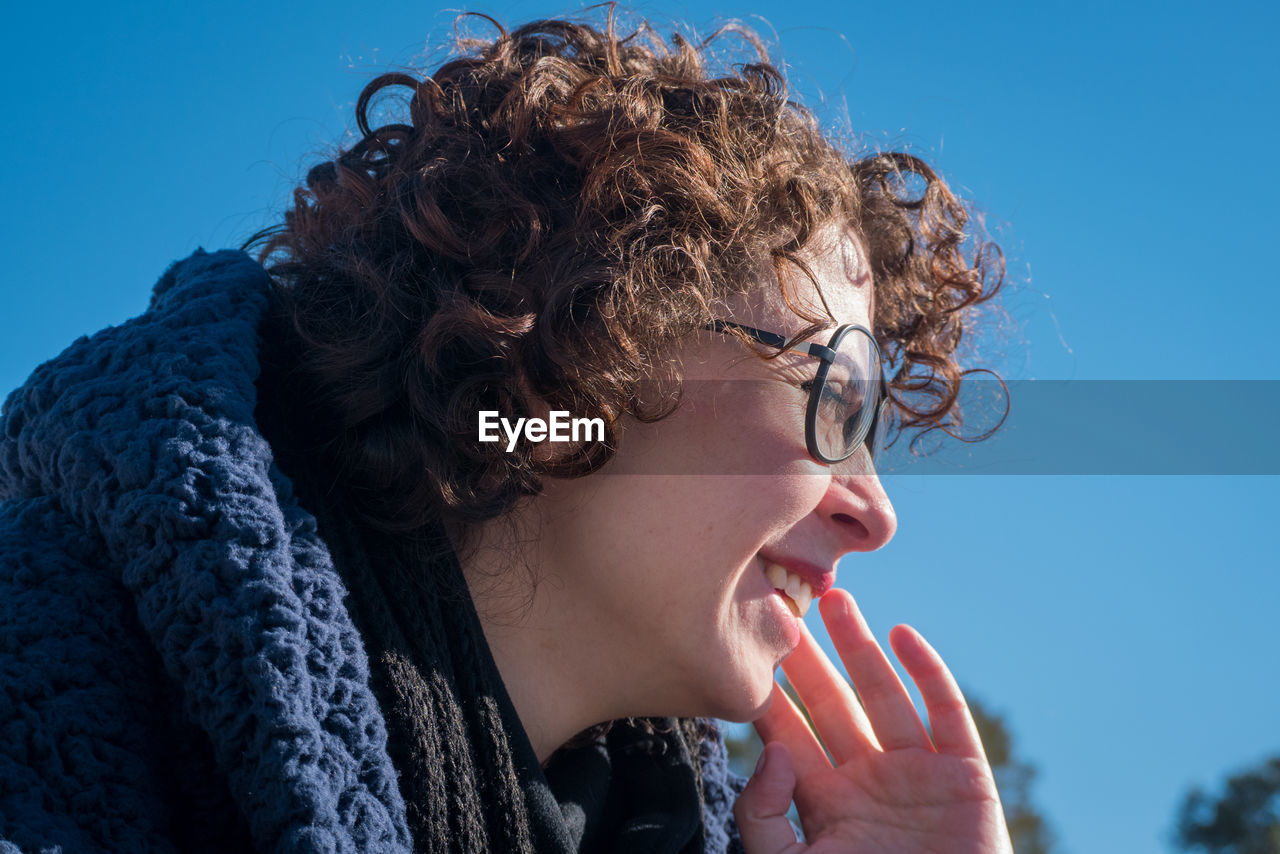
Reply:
x=847, y=397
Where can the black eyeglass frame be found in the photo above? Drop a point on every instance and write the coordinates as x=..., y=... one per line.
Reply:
x=827, y=356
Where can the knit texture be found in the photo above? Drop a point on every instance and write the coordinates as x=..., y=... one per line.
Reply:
x=179, y=669
x=445, y=731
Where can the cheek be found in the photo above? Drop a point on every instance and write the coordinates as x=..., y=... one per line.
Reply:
x=688, y=501
x=727, y=470
x=742, y=428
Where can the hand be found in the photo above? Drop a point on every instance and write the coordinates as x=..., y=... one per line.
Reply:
x=891, y=789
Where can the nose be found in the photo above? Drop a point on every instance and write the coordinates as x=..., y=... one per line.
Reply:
x=856, y=507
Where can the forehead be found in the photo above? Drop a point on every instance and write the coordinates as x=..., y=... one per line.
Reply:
x=838, y=260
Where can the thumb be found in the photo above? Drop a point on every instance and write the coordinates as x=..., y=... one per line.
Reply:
x=761, y=809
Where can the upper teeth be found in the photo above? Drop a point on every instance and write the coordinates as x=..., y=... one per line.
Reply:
x=797, y=589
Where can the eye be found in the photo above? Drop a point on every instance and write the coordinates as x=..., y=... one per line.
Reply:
x=837, y=394
x=832, y=393
x=828, y=396
x=838, y=406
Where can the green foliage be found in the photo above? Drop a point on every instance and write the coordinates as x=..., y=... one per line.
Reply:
x=1027, y=827
x=1245, y=819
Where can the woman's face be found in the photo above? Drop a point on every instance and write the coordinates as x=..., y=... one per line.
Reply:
x=657, y=563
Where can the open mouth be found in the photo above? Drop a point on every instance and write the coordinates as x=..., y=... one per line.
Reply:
x=794, y=591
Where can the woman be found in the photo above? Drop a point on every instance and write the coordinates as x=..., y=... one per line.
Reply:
x=269, y=586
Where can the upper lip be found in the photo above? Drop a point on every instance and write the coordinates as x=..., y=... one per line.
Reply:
x=819, y=580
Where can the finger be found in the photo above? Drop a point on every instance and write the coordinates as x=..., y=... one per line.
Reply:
x=834, y=708
x=761, y=810
x=954, y=730
x=783, y=722
x=888, y=706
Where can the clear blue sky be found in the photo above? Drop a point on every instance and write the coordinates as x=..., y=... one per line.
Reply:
x=1125, y=157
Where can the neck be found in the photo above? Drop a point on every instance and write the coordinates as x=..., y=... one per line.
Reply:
x=547, y=647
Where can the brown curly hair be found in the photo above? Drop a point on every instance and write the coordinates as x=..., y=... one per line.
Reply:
x=558, y=204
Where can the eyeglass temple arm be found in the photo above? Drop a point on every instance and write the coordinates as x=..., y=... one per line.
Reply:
x=773, y=339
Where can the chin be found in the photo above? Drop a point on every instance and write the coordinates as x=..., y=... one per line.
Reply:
x=744, y=699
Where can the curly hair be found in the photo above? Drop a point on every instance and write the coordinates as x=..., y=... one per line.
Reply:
x=558, y=204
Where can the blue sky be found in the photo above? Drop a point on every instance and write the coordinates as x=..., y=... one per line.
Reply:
x=1123, y=155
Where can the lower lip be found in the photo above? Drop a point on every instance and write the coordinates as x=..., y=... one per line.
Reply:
x=787, y=621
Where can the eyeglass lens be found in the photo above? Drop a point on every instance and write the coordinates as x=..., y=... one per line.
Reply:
x=848, y=404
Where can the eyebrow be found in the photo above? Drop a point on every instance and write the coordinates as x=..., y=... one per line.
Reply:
x=867, y=279
x=862, y=258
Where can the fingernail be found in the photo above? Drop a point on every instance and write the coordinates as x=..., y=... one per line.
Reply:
x=759, y=764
